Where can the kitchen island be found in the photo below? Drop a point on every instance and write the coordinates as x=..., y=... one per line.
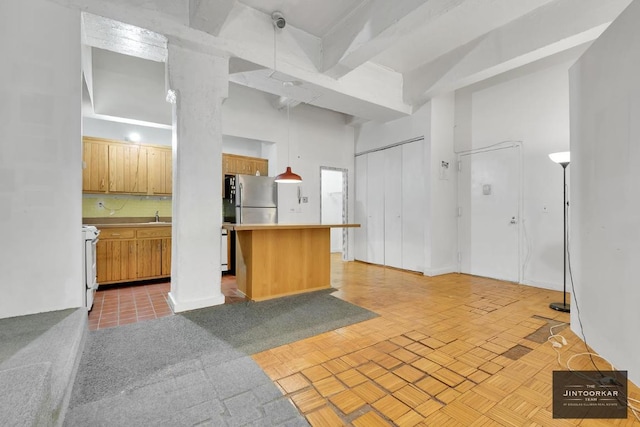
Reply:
x=276, y=260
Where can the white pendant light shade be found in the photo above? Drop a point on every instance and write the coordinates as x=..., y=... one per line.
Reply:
x=562, y=158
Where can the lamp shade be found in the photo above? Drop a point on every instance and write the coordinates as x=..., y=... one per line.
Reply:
x=562, y=158
x=288, y=177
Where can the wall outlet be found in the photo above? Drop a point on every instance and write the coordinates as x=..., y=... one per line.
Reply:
x=100, y=205
x=545, y=209
x=305, y=200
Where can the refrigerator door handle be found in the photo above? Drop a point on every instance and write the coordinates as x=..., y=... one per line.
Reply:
x=239, y=202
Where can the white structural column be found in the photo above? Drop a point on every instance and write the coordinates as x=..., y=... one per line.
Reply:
x=199, y=81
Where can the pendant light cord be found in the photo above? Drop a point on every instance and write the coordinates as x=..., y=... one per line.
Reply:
x=288, y=136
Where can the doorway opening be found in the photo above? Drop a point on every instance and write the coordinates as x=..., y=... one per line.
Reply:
x=333, y=206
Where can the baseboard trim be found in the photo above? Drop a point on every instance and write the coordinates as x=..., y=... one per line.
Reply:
x=180, y=306
x=430, y=272
x=543, y=285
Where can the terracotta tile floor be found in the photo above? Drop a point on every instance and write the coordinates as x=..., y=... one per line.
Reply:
x=445, y=351
x=131, y=303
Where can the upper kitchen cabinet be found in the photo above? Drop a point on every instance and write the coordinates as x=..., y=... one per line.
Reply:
x=233, y=164
x=128, y=169
x=124, y=168
x=160, y=170
x=95, y=159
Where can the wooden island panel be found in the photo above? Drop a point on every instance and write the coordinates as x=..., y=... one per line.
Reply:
x=279, y=260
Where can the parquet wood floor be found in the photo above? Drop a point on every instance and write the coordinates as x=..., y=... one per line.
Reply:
x=446, y=351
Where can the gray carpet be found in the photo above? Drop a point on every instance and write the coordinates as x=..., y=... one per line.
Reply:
x=195, y=369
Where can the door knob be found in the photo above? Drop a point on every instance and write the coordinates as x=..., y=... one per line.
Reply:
x=513, y=220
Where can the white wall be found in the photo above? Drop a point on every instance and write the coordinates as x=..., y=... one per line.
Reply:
x=120, y=131
x=605, y=172
x=529, y=105
x=443, y=224
x=40, y=161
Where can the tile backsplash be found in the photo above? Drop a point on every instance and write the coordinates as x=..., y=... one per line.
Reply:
x=124, y=206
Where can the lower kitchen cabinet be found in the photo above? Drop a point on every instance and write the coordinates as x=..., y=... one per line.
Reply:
x=130, y=254
x=116, y=261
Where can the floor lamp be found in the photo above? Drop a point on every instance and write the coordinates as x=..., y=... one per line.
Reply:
x=562, y=159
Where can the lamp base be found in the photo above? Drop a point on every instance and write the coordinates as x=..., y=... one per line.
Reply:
x=560, y=306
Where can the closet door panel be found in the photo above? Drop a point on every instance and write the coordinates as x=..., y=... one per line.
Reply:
x=393, y=206
x=375, y=207
x=414, y=209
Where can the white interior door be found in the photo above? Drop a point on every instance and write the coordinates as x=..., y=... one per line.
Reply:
x=489, y=230
x=393, y=207
x=375, y=207
x=413, y=207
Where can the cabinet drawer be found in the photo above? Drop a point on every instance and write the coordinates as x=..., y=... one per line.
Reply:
x=117, y=233
x=152, y=232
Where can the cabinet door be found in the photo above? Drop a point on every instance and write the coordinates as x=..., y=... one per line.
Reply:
x=361, y=209
x=160, y=171
x=414, y=211
x=95, y=156
x=149, y=254
x=375, y=207
x=393, y=207
x=263, y=166
x=127, y=168
x=166, y=257
x=116, y=261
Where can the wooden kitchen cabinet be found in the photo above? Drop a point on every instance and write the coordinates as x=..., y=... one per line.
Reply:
x=160, y=170
x=95, y=172
x=233, y=164
x=128, y=169
x=152, y=252
x=128, y=254
x=123, y=168
x=116, y=255
x=166, y=257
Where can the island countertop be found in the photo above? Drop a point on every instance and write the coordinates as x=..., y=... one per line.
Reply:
x=243, y=227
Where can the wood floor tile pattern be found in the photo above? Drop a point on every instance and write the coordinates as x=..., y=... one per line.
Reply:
x=446, y=351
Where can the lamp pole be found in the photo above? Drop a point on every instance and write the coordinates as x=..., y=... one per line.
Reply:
x=563, y=160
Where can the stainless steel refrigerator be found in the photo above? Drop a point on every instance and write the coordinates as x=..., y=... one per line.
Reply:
x=256, y=200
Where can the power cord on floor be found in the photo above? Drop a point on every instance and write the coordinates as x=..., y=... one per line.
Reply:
x=558, y=341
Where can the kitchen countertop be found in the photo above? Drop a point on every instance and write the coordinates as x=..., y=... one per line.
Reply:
x=243, y=227
x=133, y=224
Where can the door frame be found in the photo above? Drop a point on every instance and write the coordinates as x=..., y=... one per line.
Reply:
x=345, y=206
x=520, y=187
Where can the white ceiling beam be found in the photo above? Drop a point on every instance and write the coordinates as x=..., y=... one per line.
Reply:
x=558, y=26
x=370, y=91
x=374, y=27
x=209, y=16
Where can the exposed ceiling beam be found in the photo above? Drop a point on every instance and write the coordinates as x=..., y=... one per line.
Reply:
x=556, y=27
x=374, y=27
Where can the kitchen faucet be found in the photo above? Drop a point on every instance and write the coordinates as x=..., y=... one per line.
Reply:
x=157, y=217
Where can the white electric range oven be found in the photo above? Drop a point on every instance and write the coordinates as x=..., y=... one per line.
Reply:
x=90, y=276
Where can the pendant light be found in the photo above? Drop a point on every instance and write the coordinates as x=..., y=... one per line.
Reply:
x=287, y=177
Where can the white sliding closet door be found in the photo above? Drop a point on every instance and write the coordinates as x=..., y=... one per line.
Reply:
x=413, y=207
x=375, y=207
x=393, y=206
